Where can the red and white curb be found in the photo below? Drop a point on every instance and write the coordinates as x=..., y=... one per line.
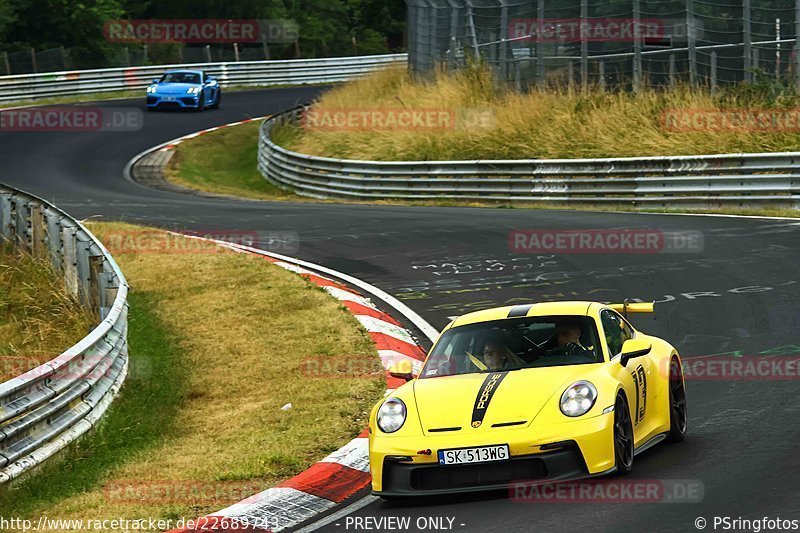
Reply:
x=344, y=472
x=171, y=145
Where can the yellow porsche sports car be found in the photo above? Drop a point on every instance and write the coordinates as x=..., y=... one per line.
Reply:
x=527, y=393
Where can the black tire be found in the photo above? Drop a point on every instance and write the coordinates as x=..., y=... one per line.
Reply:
x=201, y=102
x=678, y=413
x=623, y=437
x=217, y=100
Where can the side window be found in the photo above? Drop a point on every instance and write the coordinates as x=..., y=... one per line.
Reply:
x=616, y=331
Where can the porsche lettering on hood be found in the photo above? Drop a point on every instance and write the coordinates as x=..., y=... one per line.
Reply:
x=476, y=401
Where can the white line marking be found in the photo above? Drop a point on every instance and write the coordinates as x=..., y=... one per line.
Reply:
x=355, y=506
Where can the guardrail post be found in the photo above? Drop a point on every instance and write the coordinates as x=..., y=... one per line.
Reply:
x=84, y=274
x=69, y=240
x=54, y=239
x=22, y=219
x=5, y=217
x=96, y=295
x=38, y=244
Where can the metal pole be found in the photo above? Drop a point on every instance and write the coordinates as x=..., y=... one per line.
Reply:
x=8, y=63
x=454, y=34
x=601, y=73
x=690, y=31
x=539, y=42
x=504, y=40
x=63, y=58
x=778, y=49
x=796, y=41
x=637, y=47
x=236, y=52
x=672, y=71
x=713, y=71
x=584, y=46
x=33, y=60
x=208, y=53
x=748, y=42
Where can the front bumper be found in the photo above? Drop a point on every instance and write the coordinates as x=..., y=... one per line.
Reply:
x=558, y=452
x=173, y=102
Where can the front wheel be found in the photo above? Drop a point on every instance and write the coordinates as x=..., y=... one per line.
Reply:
x=678, y=417
x=201, y=101
x=217, y=100
x=623, y=437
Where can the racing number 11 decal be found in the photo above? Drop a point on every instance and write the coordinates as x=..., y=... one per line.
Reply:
x=640, y=381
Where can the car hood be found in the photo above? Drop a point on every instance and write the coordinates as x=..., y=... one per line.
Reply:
x=511, y=399
x=174, y=88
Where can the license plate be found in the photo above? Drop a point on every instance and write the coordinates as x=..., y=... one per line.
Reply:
x=480, y=454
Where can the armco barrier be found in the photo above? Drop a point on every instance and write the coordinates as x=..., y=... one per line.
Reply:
x=703, y=181
x=51, y=405
x=253, y=73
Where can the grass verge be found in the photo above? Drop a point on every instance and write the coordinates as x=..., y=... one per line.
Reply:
x=216, y=344
x=38, y=320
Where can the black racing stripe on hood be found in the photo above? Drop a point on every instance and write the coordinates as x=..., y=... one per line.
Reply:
x=484, y=398
x=519, y=310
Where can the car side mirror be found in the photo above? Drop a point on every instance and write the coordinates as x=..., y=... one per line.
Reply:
x=155, y=80
x=633, y=348
x=402, y=370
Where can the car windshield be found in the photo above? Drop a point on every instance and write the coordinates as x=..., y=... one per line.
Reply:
x=514, y=344
x=180, y=77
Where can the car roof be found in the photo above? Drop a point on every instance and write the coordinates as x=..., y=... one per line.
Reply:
x=569, y=308
x=188, y=71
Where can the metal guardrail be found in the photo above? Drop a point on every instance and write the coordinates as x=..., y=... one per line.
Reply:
x=704, y=181
x=51, y=405
x=255, y=73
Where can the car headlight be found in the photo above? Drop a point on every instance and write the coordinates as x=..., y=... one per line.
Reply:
x=391, y=415
x=193, y=90
x=578, y=398
x=151, y=89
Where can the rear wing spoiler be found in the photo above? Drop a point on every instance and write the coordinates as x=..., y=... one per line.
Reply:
x=633, y=307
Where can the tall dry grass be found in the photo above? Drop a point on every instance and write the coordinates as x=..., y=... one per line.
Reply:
x=547, y=123
x=38, y=320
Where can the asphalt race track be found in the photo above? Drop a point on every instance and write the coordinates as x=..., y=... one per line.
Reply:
x=740, y=294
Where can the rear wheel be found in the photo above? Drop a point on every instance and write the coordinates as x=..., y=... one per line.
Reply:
x=623, y=437
x=677, y=403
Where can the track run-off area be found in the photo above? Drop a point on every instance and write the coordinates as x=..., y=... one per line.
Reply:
x=739, y=296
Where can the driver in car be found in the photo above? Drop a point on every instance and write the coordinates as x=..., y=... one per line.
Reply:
x=497, y=356
x=566, y=340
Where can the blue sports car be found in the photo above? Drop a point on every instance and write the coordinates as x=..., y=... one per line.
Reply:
x=184, y=89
